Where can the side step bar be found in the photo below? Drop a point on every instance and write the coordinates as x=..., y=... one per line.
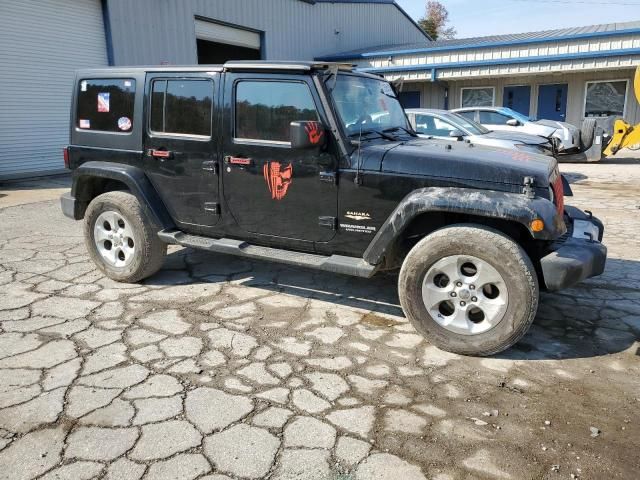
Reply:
x=356, y=267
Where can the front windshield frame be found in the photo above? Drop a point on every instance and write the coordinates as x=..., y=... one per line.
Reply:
x=397, y=116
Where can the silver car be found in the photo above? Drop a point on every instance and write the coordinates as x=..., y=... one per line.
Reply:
x=443, y=124
x=565, y=135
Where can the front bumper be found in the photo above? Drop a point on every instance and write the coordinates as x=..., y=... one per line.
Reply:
x=578, y=255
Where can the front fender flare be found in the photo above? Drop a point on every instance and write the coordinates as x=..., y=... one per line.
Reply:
x=135, y=180
x=484, y=203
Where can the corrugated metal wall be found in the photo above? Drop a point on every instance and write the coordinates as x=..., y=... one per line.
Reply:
x=152, y=32
x=42, y=42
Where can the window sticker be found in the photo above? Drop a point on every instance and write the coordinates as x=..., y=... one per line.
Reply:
x=103, y=102
x=84, y=123
x=127, y=83
x=124, y=124
x=83, y=86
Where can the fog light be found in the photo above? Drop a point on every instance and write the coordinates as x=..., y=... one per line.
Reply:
x=537, y=225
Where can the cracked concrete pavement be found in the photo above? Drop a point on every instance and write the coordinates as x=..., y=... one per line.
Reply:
x=219, y=368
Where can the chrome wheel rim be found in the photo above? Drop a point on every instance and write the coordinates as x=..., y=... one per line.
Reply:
x=114, y=239
x=465, y=294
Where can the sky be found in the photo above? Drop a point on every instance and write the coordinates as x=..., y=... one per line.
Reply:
x=473, y=18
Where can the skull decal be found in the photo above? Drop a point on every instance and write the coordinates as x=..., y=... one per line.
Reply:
x=278, y=179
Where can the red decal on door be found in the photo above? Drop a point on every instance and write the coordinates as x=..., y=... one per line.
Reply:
x=314, y=131
x=278, y=179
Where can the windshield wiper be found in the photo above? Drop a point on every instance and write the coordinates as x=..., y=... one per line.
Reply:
x=369, y=132
x=393, y=129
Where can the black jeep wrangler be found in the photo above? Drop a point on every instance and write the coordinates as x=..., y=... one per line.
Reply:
x=316, y=165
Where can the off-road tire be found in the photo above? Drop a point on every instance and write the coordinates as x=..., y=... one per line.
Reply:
x=150, y=250
x=587, y=133
x=491, y=246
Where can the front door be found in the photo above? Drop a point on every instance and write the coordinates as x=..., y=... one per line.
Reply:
x=180, y=150
x=552, y=102
x=517, y=98
x=270, y=188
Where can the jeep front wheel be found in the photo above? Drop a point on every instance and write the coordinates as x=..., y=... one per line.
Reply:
x=469, y=289
x=121, y=240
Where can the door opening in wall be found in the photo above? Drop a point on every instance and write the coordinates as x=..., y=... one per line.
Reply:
x=218, y=53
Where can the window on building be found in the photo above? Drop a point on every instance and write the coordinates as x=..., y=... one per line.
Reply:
x=181, y=107
x=493, y=118
x=106, y=104
x=605, y=99
x=265, y=110
x=477, y=97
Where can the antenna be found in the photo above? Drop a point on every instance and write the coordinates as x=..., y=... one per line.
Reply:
x=358, y=179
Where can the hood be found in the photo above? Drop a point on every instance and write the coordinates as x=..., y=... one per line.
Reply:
x=517, y=137
x=460, y=160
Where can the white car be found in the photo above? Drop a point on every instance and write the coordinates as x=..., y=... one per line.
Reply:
x=445, y=125
x=567, y=137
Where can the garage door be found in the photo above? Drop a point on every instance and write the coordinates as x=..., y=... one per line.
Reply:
x=218, y=43
x=42, y=43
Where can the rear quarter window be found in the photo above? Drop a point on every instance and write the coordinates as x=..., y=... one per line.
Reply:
x=106, y=104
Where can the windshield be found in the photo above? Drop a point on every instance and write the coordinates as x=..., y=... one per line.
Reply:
x=517, y=115
x=367, y=104
x=465, y=124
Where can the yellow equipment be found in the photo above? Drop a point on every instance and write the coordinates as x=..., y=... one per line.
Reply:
x=625, y=135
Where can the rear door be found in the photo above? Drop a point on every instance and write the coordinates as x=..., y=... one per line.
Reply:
x=181, y=157
x=270, y=188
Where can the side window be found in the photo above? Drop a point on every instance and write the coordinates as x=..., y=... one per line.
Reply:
x=181, y=107
x=424, y=125
x=469, y=115
x=493, y=118
x=106, y=104
x=428, y=125
x=264, y=110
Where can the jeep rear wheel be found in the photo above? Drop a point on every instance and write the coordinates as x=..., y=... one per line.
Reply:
x=469, y=289
x=121, y=240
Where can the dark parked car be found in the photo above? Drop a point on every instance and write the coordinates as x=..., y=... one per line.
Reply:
x=285, y=162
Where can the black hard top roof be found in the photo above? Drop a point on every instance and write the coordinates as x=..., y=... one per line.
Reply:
x=231, y=66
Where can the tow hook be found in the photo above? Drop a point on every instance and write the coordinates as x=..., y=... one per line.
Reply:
x=528, y=187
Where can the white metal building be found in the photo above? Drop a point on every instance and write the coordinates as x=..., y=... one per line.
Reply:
x=559, y=74
x=42, y=42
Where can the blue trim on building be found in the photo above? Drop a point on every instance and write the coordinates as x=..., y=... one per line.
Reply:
x=507, y=61
x=529, y=41
x=106, y=19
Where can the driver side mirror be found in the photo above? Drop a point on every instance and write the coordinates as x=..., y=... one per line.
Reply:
x=456, y=134
x=513, y=122
x=307, y=134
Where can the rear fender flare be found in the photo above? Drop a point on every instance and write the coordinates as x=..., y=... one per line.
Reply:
x=135, y=180
x=491, y=204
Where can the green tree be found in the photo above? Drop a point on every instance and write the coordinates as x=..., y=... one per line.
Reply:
x=435, y=21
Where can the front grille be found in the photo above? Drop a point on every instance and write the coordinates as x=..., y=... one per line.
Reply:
x=558, y=195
